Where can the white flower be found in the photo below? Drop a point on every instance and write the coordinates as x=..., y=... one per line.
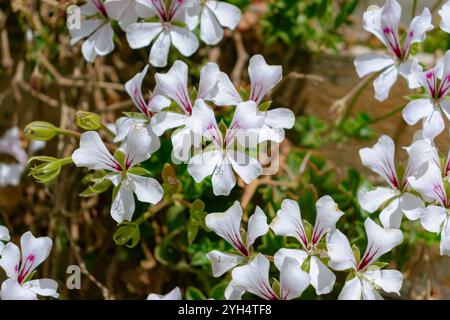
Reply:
x=444, y=13
x=395, y=199
x=263, y=78
x=4, y=236
x=175, y=294
x=228, y=226
x=221, y=158
x=165, y=32
x=214, y=15
x=436, y=83
x=11, y=145
x=174, y=85
x=366, y=278
x=19, y=285
x=288, y=223
x=93, y=154
x=123, y=11
x=383, y=23
x=254, y=278
x=96, y=27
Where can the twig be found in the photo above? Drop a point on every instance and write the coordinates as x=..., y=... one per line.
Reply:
x=242, y=57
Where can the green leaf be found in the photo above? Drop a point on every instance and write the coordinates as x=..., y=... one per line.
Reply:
x=193, y=293
x=218, y=291
x=128, y=234
x=140, y=171
x=265, y=105
x=99, y=187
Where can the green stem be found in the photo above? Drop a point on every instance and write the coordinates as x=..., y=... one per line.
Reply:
x=152, y=211
x=414, y=8
x=109, y=132
x=64, y=161
x=388, y=115
x=69, y=133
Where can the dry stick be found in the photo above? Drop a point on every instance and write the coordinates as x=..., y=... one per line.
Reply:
x=242, y=57
x=76, y=250
x=7, y=61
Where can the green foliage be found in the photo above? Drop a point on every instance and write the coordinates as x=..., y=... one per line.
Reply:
x=308, y=24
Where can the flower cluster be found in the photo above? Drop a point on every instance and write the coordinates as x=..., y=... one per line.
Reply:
x=20, y=265
x=159, y=23
x=323, y=249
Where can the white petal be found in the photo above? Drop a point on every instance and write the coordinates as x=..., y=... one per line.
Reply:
x=391, y=215
x=10, y=174
x=223, y=179
x=328, y=214
x=43, y=287
x=379, y=241
x=87, y=28
x=372, y=23
x=122, y=11
x=160, y=50
x=418, y=27
x=280, y=118
x=372, y=62
x=204, y=164
x=34, y=252
x=372, y=200
x=369, y=292
x=211, y=31
x=445, y=238
x=146, y=189
x=257, y=226
x=266, y=133
x=380, y=159
x=430, y=184
x=163, y=121
x=140, y=34
x=10, y=260
x=322, y=278
x=288, y=222
x=93, y=154
x=420, y=152
x=222, y=262
x=283, y=253
x=227, y=225
x=384, y=82
x=234, y=291
x=340, y=252
x=227, y=14
x=123, y=205
x=293, y=280
x=445, y=107
x=254, y=277
x=411, y=206
x=139, y=146
x=227, y=94
x=352, y=290
x=4, y=234
x=11, y=290
x=263, y=77
x=134, y=90
x=247, y=117
x=209, y=77
x=104, y=43
x=444, y=13
x=389, y=280
x=432, y=218
x=184, y=40
x=246, y=167
x=417, y=110
x=175, y=294
x=433, y=125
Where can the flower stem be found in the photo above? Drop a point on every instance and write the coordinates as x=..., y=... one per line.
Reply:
x=69, y=133
x=388, y=114
x=109, y=132
x=414, y=8
x=152, y=211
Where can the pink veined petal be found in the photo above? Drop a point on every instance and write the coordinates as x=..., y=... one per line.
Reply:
x=34, y=252
x=134, y=90
x=263, y=77
x=328, y=214
x=389, y=21
x=418, y=28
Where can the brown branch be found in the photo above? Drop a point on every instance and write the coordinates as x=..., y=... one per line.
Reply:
x=242, y=58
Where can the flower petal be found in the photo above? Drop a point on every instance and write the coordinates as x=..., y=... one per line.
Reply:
x=222, y=262
x=34, y=252
x=184, y=40
x=280, y=118
x=430, y=184
x=4, y=234
x=444, y=13
x=43, y=287
x=445, y=238
x=10, y=260
x=147, y=190
x=227, y=94
x=227, y=14
x=299, y=255
x=411, y=205
x=160, y=50
x=209, y=77
x=211, y=31
x=372, y=62
x=11, y=290
x=391, y=215
x=263, y=77
x=328, y=214
x=432, y=218
x=288, y=222
x=384, y=82
x=340, y=252
x=141, y=34
x=372, y=200
x=389, y=280
x=122, y=11
x=223, y=179
x=246, y=167
x=293, y=280
x=322, y=278
x=257, y=226
x=417, y=110
x=234, y=291
x=352, y=290
x=166, y=120
x=204, y=164
x=433, y=125
x=123, y=205
x=175, y=294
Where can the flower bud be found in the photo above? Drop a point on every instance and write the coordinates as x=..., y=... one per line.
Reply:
x=40, y=130
x=88, y=121
x=128, y=234
x=48, y=169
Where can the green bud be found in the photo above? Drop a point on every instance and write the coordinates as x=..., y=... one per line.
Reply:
x=40, y=130
x=88, y=121
x=128, y=234
x=48, y=168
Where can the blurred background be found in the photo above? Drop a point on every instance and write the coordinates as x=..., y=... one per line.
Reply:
x=43, y=77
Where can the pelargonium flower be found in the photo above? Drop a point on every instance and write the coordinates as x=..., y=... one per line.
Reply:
x=174, y=85
x=127, y=179
x=125, y=12
x=383, y=23
x=444, y=13
x=288, y=222
x=263, y=78
x=175, y=294
x=430, y=183
x=96, y=27
x=165, y=32
x=254, y=278
x=396, y=199
x=20, y=284
x=227, y=225
x=11, y=145
x=436, y=83
x=366, y=278
x=213, y=16
x=223, y=155
x=4, y=236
